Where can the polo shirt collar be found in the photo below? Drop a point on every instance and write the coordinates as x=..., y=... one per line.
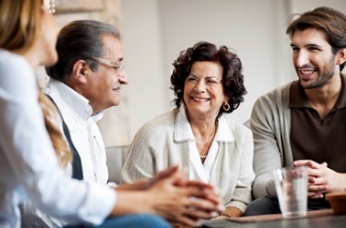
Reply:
x=298, y=97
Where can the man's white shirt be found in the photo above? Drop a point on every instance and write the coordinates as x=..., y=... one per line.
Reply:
x=85, y=134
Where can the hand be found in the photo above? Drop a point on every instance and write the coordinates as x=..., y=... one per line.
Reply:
x=230, y=212
x=220, y=217
x=321, y=179
x=160, y=176
x=145, y=184
x=180, y=200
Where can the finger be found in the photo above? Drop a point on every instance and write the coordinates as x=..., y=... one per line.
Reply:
x=315, y=173
x=165, y=175
x=301, y=162
x=314, y=195
x=311, y=180
x=204, y=205
x=317, y=196
x=204, y=194
x=200, y=214
x=180, y=180
x=200, y=184
x=318, y=188
x=162, y=175
x=320, y=181
x=220, y=217
x=172, y=175
x=186, y=220
x=203, y=186
x=324, y=164
x=311, y=194
x=167, y=172
x=308, y=163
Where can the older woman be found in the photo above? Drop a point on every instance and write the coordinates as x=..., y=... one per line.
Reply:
x=207, y=82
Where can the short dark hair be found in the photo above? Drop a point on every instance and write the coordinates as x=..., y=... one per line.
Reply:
x=328, y=20
x=232, y=78
x=81, y=39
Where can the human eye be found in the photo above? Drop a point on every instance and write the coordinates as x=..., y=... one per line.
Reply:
x=211, y=81
x=115, y=65
x=191, y=79
x=314, y=48
x=295, y=49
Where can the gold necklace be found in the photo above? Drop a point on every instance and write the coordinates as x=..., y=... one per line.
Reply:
x=204, y=149
x=206, y=146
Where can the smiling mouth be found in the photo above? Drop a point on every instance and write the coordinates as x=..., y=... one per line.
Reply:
x=200, y=99
x=307, y=71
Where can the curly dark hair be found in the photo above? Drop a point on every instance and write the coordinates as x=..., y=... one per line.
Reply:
x=232, y=78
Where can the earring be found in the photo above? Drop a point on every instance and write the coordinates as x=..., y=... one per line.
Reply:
x=226, y=107
x=50, y=4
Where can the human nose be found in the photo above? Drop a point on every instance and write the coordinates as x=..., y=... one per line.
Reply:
x=200, y=86
x=301, y=58
x=123, y=77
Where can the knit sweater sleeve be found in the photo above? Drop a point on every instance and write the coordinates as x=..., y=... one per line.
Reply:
x=270, y=127
x=241, y=196
x=147, y=153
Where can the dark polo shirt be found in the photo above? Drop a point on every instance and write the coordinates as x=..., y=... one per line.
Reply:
x=321, y=140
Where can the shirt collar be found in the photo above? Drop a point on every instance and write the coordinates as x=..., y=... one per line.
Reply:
x=98, y=116
x=298, y=98
x=341, y=102
x=77, y=103
x=183, y=131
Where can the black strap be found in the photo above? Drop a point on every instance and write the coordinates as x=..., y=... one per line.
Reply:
x=77, y=171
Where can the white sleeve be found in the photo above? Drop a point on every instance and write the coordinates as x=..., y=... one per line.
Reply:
x=30, y=159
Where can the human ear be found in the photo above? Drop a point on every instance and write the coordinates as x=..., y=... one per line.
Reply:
x=80, y=71
x=341, y=56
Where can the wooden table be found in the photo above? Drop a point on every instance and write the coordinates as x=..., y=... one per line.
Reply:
x=314, y=219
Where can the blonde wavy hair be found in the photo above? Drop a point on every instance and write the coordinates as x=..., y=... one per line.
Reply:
x=20, y=28
x=52, y=120
x=20, y=23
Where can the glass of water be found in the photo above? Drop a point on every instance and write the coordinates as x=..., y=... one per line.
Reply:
x=292, y=188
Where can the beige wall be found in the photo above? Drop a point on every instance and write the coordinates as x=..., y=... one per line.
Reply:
x=253, y=32
x=147, y=91
x=114, y=126
x=155, y=31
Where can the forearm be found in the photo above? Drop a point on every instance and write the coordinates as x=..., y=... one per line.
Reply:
x=131, y=202
x=138, y=185
x=233, y=211
x=230, y=211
